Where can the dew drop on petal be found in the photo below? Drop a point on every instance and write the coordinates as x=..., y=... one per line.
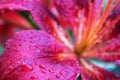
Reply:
x=33, y=78
x=43, y=71
x=35, y=63
x=31, y=37
x=10, y=68
x=8, y=62
x=27, y=68
x=42, y=66
x=57, y=76
x=50, y=70
x=61, y=73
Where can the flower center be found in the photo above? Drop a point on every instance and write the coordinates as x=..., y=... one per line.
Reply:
x=97, y=26
x=91, y=29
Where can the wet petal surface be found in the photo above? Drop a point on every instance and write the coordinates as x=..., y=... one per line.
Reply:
x=31, y=55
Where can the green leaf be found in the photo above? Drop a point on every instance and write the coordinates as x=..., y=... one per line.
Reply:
x=27, y=15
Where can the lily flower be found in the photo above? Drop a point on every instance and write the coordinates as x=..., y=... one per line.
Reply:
x=51, y=53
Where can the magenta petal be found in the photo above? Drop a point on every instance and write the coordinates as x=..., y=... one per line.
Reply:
x=115, y=30
x=5, y=32
x=108, y=51
x=116, y=12
x=31, y=54
x=96, y=73
x=68, y=12
x=42, y=16
x=90, y=71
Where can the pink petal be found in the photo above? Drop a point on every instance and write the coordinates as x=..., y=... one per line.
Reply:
x=108, y=51
x=10, y=21
x=68, y=12
x=116, y=12
x=16, y=19
x=32, y=55
x=42, y=16
x=96, y=73
x=76, y=13
x=6, y=31
x=114, y=31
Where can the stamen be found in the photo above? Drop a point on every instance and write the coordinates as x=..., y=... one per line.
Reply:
x=102, y=20
x=109, y=26
x=93, y=28
x=80, y=44
x=92, y=20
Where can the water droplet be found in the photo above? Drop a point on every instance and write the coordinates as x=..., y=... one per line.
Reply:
x=44, y=16
x=57, y=76
x=31, y=37
x=8, y=62
x=16, y=73
x=18, y=62
x=16, y=50
x=33, y=77
x=20, y=44
x=61, y=73
x=38, y=51
x=27, y=67
x=58, y=2
x=94, y=36
x=14, y=45
x=10, y=68
x=43, y=71
x=42, y=66
x=31, y=47
x=36, y=46
x=50, y=70
x=35, y=63
x=25, y=57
